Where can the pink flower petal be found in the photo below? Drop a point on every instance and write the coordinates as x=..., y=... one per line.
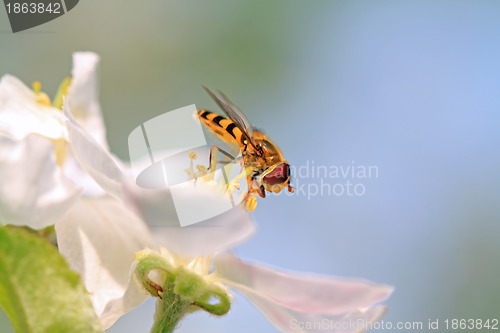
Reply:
x=287, y=320
x=300, y=292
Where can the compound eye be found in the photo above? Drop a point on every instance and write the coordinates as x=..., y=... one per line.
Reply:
x=279, y=175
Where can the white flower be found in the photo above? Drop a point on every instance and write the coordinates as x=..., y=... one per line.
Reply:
x=45, y=154
x=100, y=239
x=41, y=180
x=101, y=247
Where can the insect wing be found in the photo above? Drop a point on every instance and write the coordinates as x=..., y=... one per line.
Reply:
x=238, y=114
x=233, y=115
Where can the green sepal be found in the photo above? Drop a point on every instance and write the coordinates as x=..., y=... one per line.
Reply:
x=147, y=261
x=220, y=308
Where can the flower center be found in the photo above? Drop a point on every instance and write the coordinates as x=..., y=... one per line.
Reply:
x=44, y=99
x=60, y=150
x=206, y=176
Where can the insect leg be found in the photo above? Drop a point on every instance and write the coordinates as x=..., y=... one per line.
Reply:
x=214, y=151
x=260, y=190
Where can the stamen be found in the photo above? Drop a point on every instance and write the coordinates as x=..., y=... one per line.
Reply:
x=57, y=102
x=192, y=156
x=41, y=97
x=202, y=170
x=37, y=87
x=214, y=163
x=222, y=181
x=243, y=174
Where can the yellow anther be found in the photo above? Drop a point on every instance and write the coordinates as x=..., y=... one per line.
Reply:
x=62, y=91
x=202, y=170
x=37, y=87
x=41, y=97
x=251, y=203
x=190, y=171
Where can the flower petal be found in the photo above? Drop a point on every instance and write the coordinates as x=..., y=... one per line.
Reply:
x=134, y=296
x=83, y=95
x=21, y=114
x=299, y=292
x=216, y=234
x=85, y=108
x=93, y=157
x=33, y=191
x=72, y=170
x=155, y=206
x=287, y=320
x=99, y=237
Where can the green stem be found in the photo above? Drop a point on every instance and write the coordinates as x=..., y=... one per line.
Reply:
x=169, y=311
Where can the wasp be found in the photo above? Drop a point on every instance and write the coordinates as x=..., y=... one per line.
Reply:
x=269, y=170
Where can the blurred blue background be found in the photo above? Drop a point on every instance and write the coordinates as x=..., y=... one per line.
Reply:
x=411, y=87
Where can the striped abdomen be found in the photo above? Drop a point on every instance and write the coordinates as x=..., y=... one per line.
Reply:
x=224, y=128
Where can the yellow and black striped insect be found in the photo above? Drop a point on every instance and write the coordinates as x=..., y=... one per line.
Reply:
x=269, y=170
